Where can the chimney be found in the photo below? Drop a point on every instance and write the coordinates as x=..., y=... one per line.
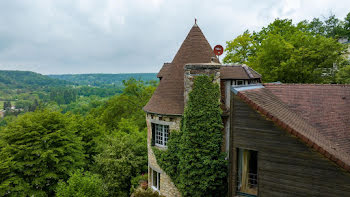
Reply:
x=196, y=69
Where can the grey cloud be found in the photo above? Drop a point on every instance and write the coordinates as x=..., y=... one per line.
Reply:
x=119, y=36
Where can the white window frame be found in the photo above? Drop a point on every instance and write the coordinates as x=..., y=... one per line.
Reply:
x=240, y=81
x=157, y=187
x=161, y=135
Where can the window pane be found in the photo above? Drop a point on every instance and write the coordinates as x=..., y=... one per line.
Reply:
x=158, y=181
x=166, y=134
x=159, y=134
x=247, y=171
x=154, y=179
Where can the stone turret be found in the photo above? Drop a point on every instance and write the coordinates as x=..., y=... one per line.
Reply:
x=195, y=69
x=165, y=109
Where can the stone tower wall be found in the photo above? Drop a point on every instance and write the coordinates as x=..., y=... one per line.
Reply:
x=167, y=187
x=193, y=70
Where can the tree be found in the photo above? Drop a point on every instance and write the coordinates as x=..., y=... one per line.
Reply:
x=7, y=105
x=124, y=156
x=347, y=26
x=343, y=76
x=39, y=149
x=91, y=133
x=333, y=27
x=316, y=26
x=81, y=184
x=292, y=54
x=127, y=105
x=240, y=49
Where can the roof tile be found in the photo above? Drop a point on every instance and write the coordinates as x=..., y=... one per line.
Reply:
x=318, y=114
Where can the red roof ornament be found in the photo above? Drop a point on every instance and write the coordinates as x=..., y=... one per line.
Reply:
x=218, y=50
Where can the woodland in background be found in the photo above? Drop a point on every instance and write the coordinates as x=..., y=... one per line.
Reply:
x=314, y=51
x=100, y=152
x=24, y=91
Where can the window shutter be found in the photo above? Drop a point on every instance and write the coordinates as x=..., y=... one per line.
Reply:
x=153, y=139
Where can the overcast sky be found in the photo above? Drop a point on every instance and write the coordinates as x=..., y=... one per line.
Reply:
x=130, y=36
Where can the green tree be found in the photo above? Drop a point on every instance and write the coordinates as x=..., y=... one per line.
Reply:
x=7, y=105
x=291, y=54
x=333, y=27
x=240, y=49
x=81, y=184
x=123, y=156
x=347, y=26
x=39, y=148
x=343, y=76
x=316, y=27
x=91, y=133
x=127, y=105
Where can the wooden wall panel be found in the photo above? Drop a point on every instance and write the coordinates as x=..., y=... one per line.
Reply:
x=286, y=166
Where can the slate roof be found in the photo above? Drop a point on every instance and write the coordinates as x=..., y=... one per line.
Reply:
x=238, y=72
x=168, y=98
x=317, y=114
x=164, y=70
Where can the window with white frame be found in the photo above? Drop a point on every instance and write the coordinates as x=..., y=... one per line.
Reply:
x=239, y=82
x=161, y=134
x=155, y=179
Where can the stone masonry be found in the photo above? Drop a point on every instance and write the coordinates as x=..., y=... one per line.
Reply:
x=167, y=187
x=193, y=70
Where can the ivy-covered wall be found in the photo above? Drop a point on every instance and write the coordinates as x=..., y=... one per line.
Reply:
x=194, y=159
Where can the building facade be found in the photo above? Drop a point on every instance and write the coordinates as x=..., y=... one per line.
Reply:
x=165, y=109
x=290, y=140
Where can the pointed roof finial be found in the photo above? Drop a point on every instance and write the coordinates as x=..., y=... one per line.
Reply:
x=195, y=21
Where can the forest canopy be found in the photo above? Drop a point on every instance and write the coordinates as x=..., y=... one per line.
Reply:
x=306, y=52
x=47, y=152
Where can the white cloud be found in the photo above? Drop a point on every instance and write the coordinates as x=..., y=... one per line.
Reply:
x=114, y=36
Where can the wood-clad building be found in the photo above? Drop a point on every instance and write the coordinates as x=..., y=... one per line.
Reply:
x=290, y=140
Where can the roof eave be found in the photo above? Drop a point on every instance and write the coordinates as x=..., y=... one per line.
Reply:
x=289, y=129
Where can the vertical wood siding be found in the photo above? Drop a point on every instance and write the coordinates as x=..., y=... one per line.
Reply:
x=286, y=166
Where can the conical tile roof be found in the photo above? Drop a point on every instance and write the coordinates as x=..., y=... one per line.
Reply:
x=168, y=98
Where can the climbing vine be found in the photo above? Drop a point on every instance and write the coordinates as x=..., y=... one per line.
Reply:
x=194, y=159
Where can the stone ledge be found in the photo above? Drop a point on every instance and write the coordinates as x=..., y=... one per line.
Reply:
x=202, y=66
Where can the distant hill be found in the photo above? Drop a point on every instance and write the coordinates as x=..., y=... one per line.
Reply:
x=27, y=80
x=103, y=79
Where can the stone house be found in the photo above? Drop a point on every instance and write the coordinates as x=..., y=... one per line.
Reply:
x=166, y=107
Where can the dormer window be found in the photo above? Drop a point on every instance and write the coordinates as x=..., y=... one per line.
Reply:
x=160, y=135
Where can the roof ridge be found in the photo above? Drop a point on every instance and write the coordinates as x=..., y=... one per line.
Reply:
x=195, y=35
x=246, y=69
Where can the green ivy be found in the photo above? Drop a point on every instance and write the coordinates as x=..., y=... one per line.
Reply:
x=194, y=159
